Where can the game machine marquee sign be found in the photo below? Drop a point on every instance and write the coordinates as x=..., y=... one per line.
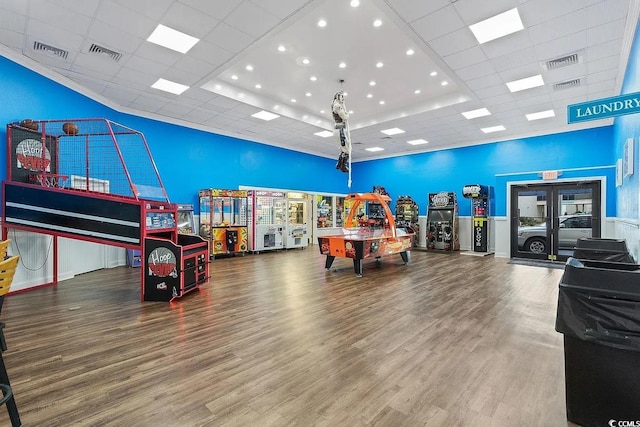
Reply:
x=442, y=221
x=34, y=155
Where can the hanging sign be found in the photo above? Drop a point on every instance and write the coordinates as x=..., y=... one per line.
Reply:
x=604, y=108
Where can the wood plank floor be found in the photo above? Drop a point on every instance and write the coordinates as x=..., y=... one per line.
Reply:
x=274, y=339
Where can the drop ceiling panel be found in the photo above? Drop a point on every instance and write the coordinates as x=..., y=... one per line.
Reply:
x=473, y=11
x=439, y=23
x=216, y=9
x=411, y=10
x=251, y=19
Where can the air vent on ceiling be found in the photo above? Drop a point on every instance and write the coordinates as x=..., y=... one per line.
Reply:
x=567, y=84
x=41, y=47
x=104, y=51
x=564, y=61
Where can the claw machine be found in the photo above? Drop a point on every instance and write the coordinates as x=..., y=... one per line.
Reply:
x=267, y=220
x=186, y=219
x=224, y=220
x=296, y=231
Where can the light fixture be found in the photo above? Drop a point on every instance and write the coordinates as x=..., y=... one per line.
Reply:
x=306, y=61
x=281, y=48
x=258, y=86
x=169, y=86
x=493, y=129
x=410, y=52
x=249, y=67
x=350, y=112
x=526, y=83
x=381, y=102
x=374, y=149
x=355, y=3
x=498, y=26
x=265, y=115
x=380, y=65
x=234, y=77
x=433, y=73
x=472, y=114
x=372, y=83
x=322, y=111
x=369, y=95
x=322, y=23
x=342, y=65
x=377, y=23
x=541, y=115
x=444, y=83
x=293, y=100
x=324, y=134
x=417, y=91
x=417, y=142
x=172, y=39
x=313, y=78
x=392, y=131
x=307, y=94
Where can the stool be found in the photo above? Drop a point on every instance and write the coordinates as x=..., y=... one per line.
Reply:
x=7, y=271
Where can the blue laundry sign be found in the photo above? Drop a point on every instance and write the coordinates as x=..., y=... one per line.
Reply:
x=604, y=108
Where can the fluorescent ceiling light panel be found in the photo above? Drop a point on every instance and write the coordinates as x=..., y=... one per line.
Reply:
x=169, y=86
x=172, y=39
x=417, y=142
x=498, y=26
x=374, y=149
x=472, y=114
x=541, y=115
x=265, y=115
x=392, y=131
x=324, y=134
x=493, y=129
x=526, y=83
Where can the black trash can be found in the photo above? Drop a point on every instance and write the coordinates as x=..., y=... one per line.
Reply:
x=602, y=249
x=599, y=315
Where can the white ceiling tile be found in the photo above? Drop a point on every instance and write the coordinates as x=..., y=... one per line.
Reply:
x=441, y=22
x=229, y=38
x=603, y=86
x=506, y=45
x=476, y=70
x=607, y=11
x=606, y=32
x=154, y=9
x=216, y=9
x=473, y=11
x=281, y=8
x=457, y=41
x=188, y=20
x=517, y=59
x=410, y=10
x=561, y=46
x=484, y=82
x=601, y=76
x=540, y=11
x=252, y=20
x=602, y=64
x=113, y=38
x=602, y=50
x=466, y=58
x=124, y=21
x=11, y=21
x=121, y=96
x=12, y=40
x=558, y=27
x=492, y=91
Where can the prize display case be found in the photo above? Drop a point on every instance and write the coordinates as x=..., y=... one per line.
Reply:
x=186, y=219
x=296, y=230
x=267, y=219
x=224, y=220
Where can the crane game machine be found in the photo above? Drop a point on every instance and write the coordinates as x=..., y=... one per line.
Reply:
x=407, y=213
x=480, y=197
x=442, y=222
x=223, y=220
x=267, y=216
x=296, y=231
x=186, y=219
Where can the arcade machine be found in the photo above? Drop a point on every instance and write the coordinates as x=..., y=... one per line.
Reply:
x=296, y=231
x=267, y=217
x=186, y=219
x=480, y=196
x=407, y=213
x=223, y=220
x=442, y=222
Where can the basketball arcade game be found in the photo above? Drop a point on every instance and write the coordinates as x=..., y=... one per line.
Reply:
x=95, y=180
x=367, y=241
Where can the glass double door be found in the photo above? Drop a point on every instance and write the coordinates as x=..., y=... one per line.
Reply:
x=548, y=219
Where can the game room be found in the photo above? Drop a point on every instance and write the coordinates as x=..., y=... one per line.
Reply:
x=319, y=212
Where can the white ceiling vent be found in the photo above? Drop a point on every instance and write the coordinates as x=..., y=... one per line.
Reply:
x=567, y=84
x=41, y=47
x=564, y=61
x=104, y=51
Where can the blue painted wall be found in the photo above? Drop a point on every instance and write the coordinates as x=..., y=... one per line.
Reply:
x=449, y=170
x=626, y=127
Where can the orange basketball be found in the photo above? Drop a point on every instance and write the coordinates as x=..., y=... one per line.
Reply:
x=29, y=124
x=70, y=128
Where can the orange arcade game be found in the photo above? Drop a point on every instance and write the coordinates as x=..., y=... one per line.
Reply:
x=372, y=235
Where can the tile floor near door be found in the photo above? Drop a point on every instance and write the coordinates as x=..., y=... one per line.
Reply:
x=274, y=339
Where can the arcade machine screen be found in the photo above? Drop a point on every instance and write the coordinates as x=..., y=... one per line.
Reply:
x=440, y=215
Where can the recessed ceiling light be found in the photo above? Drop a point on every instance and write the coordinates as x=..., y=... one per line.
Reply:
x=258, y=86
x=417, y=142
x=293, y=100
x=345, y=94
x=498, y=26
x=172, y=39
x=541, y=115
x=526, y=83
x=369, y=95
x=472, y=114
x=379, y=65
x=234, y=77
x=355, y=3
x=377, y=23
x=493, y=129
x=381, y=102
x=249, y=67
x=305, y=117
x=307, y=94
x=281, y=48
x=374, y=149
x=218, y=87
x=306, y=61
x=372, y=83
x=417, y=91
x=433, y=73
x=313, y=78
x=169, y=86
x=322, y=23
x=324, y=134
x=265, y=115
x=350, y=111
x=392, y=131
x=444, y=83
x=342, y=65
x=410, y=52
x=322, y=111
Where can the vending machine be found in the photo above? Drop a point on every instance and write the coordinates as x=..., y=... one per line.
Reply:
x=267, y=220
x=223, y=220
x=296, y=231
x=480, y=196
x=186, y=219
x=442, y=222
x=407, y=213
